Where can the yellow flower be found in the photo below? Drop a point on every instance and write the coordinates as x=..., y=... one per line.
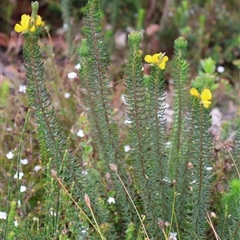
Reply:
x=159, y=58
x=205, y=96
x=23, y=26
x=39, y=21
x=194, y=92
x=28, y=24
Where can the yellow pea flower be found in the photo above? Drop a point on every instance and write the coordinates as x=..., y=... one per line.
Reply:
x=205, y=96
x=39, y=21
x=24, y=24
x=194, y=92
x=159, y=58
x=155, y=58
x=28, y=24
x=148, y=59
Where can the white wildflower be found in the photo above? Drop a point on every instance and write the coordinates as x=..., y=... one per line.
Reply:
x=84, y=231
x=24, y=161
x=23, y=188
x=22, y=89
x=16, y=223
x=194, y=181
x=72, y=75
x=78, y=66
x=3, y=215
x=37, y=168
x=123, y=99
x=127, y=148
x=18, y=175
x=65, y=26
x=67, y=95
x=220, y=69
x=168, y=144
x=173, y=236
x=80, y=133
x=128, y=121
x=209, y=168
x=167, y=180
x=9, y=155
x=53, y=213
x=111, y=200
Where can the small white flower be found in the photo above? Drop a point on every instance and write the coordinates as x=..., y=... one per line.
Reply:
x=220, y=69
x=9, y=155
x=16, y=223
x=23, y=188
x=18, y=175
x=80, y=133
x=9, y=129
x=111, y=200
x=78, y=66
x=127, y=148
x=168, y=144
x=173, y=236
x=35, y=219
x=37, y=168
x=84, y=231
x=3, y=215
x=24, y=161
x=209, y=168
x=53, y=213
x=22, y=88
x=166, y=180
x=123, y=98
x=65, y=26
x=67, y=95
x=84, y=173
x=72, y=75
x=19, y=203
x=128, y=121
x=194, y=181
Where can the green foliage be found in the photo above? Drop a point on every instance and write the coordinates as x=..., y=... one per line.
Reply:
x=208, y=65
x=229, y=219
x=124, y=9
x=4, y=92
x=53, y=148
x=10, y=233
x=209, y=27
x=236, y=150
x=180, y=76
x=162, y=187
x=146, y=114
x=97, y=97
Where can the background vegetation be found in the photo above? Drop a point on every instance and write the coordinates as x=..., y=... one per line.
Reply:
x=212, y=30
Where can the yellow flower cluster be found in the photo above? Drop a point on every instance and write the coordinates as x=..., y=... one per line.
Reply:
x=205, y=96
x=28, y=24
x=159, y=58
